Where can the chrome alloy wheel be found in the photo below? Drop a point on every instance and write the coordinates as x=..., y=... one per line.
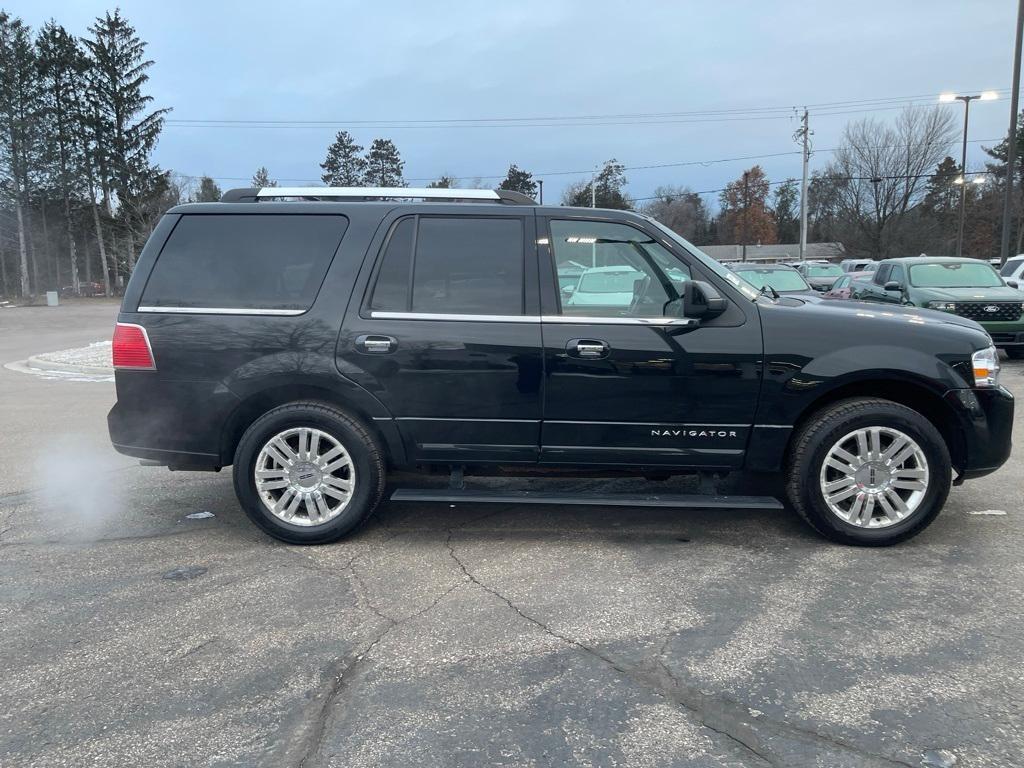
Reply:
x=304, y=476
x=874, y=477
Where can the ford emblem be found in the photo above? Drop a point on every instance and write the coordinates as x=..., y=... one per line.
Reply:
x=991, y=308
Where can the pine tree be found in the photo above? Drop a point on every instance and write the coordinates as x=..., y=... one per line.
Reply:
x=607, y=189
x=444, y=182
x=62, y=68
x=384, y=165
x=344, y=166
x=19, y=124
x=127, y=132
x=786, y=207
x=208, y=192
x=262, y=179
x=519, y=180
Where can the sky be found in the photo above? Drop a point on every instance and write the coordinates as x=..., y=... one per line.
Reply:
x=361, y=65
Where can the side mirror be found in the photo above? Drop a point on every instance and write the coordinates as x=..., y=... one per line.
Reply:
x=568, y=290
x=1013, y=284
x=892, y=285
x=701, y=299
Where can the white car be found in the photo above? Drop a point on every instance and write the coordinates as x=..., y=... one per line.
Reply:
x=1013, y=269
x=603, y=287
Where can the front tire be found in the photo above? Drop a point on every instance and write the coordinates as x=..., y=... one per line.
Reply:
x=308, y=473
x=868, y=472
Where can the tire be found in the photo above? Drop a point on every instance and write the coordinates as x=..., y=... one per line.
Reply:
x=324, y=511
x=878, y=521
x=1014, y=353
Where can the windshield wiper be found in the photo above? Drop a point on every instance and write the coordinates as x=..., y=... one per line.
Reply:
x=765, y=292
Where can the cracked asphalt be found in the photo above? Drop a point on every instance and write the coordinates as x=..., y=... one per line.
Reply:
x=470, y=635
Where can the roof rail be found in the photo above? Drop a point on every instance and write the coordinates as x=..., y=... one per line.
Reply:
x=252, y=195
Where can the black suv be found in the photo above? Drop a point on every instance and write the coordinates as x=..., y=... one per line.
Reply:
x=317, y=341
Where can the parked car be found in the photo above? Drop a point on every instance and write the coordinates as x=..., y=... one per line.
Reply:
x=855, y=265
x=844, y=287
x=820, y=274
x=317, y=343
x=782, y=279
x=970, y=288
x=1012, y=271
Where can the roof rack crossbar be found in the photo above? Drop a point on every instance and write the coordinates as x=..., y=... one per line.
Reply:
x=365, y=193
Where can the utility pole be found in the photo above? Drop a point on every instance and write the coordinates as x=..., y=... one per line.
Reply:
x=948, y=98
x=1011, y=142
x=804, y=135
x=593, y=188
x=540, y=185
x=746, y=212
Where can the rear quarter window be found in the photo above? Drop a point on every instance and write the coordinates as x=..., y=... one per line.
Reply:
x=244, y=261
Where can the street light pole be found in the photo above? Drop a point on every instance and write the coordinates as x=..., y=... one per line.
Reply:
x=949, y=97
x=1011, y=140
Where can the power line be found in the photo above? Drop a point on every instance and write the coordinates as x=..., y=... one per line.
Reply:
x=732, y=114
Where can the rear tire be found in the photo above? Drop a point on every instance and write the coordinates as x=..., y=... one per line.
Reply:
x=885, y=498
x=308, y=473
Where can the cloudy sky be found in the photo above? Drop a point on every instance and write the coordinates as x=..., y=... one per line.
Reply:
x=375, y=67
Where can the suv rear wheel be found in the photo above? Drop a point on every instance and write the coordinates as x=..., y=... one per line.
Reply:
x=307, y=473
x=868, y=472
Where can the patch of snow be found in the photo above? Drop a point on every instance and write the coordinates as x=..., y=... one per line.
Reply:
x=994, y=512
x=199, y=515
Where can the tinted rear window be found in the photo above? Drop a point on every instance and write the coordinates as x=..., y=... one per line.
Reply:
x=244, y=261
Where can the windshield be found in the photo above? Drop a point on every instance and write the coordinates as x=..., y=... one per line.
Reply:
x=823, y=270
x=956, y=274
x=735, y=280
x=779, y=279
x=609, y=282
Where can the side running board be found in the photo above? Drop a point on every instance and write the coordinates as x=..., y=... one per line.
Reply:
x=674, y=500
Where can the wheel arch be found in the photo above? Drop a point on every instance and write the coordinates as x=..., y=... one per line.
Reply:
x=913, y=395
x=258, y=403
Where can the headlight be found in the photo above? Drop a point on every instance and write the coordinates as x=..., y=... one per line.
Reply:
x=986, y=367
x=942, y=306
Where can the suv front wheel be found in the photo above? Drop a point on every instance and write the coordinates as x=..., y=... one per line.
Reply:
x=308, y=473
x=868, y=472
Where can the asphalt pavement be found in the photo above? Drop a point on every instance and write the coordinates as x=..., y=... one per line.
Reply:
x=136, y=635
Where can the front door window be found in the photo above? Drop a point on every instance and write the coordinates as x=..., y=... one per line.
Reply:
x=613, y=270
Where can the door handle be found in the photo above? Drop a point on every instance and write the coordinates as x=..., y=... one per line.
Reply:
x=588, y=349
x=376, y=345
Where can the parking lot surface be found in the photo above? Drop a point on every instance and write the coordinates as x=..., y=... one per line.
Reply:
x=134, y=634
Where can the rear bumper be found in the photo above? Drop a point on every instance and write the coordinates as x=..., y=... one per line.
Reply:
x=986, y=423
x=176, y=423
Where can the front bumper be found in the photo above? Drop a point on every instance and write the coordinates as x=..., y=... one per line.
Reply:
x=985, y=418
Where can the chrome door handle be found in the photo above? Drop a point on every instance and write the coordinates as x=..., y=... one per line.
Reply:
x=376, y=345
x=589, y=349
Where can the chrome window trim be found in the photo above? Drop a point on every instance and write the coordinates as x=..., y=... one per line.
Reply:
x=223, y=311
x=378, y=315
x=657, y=322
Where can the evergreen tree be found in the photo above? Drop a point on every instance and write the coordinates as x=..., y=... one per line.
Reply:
x=344, y=166
x=445, y=182
x=208, y=192
x=262, y=178
x=19, y=124
x=786, y=207
x=607, y=189
x=127, y=131
x=384, y=165
x=62, y=69
x=519, y=180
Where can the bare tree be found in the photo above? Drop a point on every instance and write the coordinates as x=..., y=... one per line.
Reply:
x=681, y=210
x=881, y=173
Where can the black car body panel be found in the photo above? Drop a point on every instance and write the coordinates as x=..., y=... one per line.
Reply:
x=722, y=393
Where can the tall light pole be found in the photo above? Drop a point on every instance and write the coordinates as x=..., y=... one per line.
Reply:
x=947, y=98
x=1011, y=139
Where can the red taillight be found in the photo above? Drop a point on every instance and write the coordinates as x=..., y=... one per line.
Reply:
x=131, y=348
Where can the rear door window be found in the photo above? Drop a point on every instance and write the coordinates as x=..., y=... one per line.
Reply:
x=469, y=265
x=244, y=261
